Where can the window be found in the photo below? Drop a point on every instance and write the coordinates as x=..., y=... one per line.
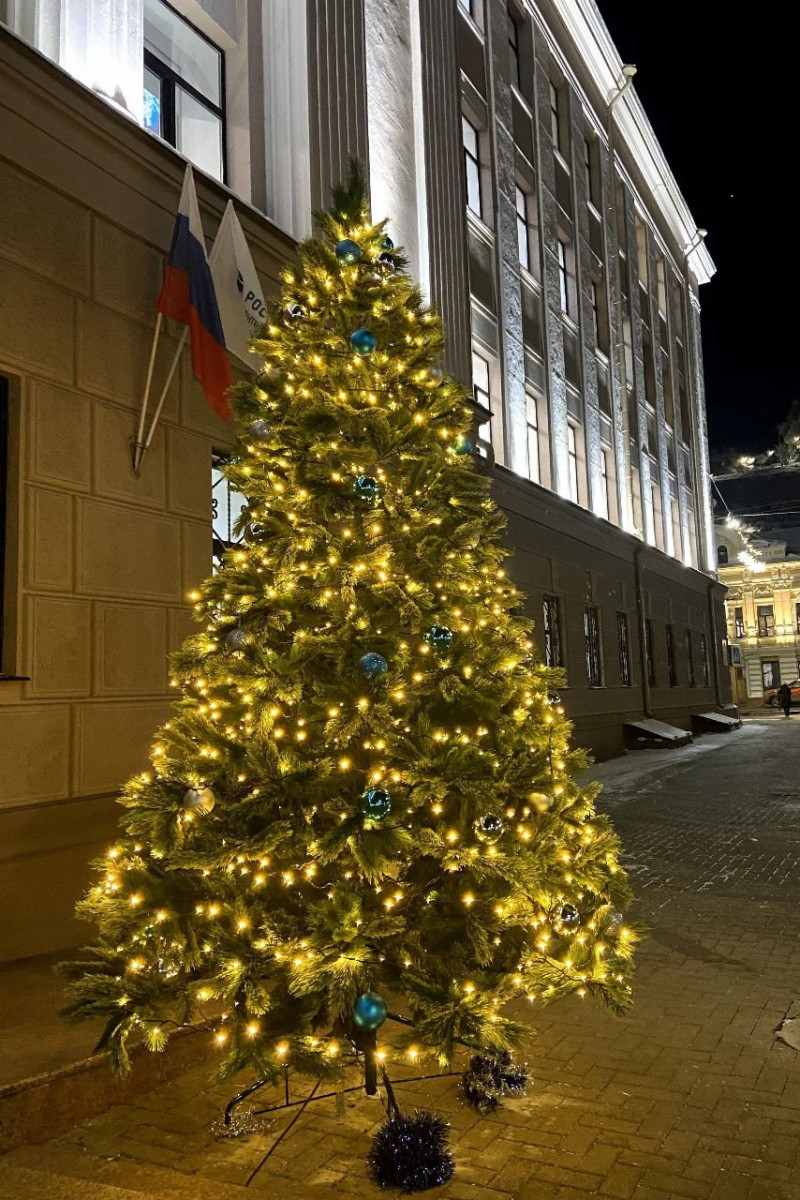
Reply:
x=591, y=628
x=534, y=466
x=623, y=645
x=472, y=166
x=722, y=555
x=600, y=317
x=690, y=659
x=523, y=233
x=184, y=88
x=480, y=388
x=226, y=508
x=649, y=651
x=555, y=117
x=513, y=49
x=591, y=173
x=766, y=620
x=572, y=451
x=704, y=665
x=738, y=622
x=604, y=484
x=467, y=6
x=672, y=666
x=563, y=278
x=3, y=499
x=797, y=616
x=770, y=673
x=551, y=625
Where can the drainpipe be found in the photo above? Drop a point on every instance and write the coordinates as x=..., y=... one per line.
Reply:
x=715, y=655
x=637, y=576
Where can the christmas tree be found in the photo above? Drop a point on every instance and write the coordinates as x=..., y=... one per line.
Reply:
x=365, y=796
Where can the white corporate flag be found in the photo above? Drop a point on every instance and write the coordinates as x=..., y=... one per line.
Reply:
x=240, y=296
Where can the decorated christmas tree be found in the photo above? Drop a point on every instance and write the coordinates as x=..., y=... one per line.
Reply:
x=365, y=798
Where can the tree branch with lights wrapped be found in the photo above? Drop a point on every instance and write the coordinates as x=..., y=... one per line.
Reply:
x=365, y=795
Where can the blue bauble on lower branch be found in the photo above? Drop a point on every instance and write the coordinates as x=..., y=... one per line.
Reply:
x=348, y=251
x=363, y=341
x=376, y=803
x=373, y=665
x=369, y=1011
x=439, y=638
x=462, y=446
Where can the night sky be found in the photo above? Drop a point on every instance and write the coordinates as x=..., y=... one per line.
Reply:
x=715, y=83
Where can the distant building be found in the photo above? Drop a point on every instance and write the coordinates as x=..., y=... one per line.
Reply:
x=537, y=210
x=758, y=551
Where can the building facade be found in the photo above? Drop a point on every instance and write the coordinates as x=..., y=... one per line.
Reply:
x=521, y=175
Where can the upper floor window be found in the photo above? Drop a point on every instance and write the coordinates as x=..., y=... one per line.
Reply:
x=226, y=508
x=624, y=648
x=690, y=658
x=704, y=667
x=591, y=173
x=572, y=453
x=472, y=165
x=650, y=652
x=563, y=277
x=468, y=7
x=534, y=465
x=513, y=49
x=672, y=666
x=184, y=88
x=523, y=232
x=605, y=484
x=722, y=555
x=766, y=620
x=481, y=387
x=738, y=622
x=556, y=117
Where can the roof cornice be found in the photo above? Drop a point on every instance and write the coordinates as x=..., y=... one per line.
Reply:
x=584, y=24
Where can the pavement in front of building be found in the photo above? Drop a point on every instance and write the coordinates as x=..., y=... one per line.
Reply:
x=691, y=1095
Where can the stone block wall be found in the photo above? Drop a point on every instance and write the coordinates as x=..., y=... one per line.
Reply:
x=99, y=563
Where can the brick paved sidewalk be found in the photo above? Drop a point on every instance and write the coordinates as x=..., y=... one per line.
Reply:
x=689, y=1096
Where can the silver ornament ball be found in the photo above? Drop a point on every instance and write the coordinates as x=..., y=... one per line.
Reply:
x=199, y=800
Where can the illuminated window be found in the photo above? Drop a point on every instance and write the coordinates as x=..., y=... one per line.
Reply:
x=572, y=452
x=770, y=673
x=226, y=508
x=472, y=166
x=604, y=484
x=563, y=278
x=3, y=498
x=797, y=617
x=738, y=622
x=523, y=232
x=467, y=6
x=551, y=626
x=591, y=629
x=183, y=88
x=481, y=388
x=534, y=466
x=766, y=620
x=624, y=648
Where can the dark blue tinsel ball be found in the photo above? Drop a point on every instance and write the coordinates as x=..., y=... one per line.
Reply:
x=411, y=1153
x=348, y=251
x=490, y=1077
x=376, y=804
x=439, y=637
x=363, y=341
x=366, y=487
x=373, y=665
x=462, y=446
x=369, y=1011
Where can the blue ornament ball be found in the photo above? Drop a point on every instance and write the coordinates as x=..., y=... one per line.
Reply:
x=376, y=804
x=387, y=243
x=369, y=1011
x=367, y=488
x=363, y=341
x=348, y=251
x=462, y=446
x=439, y=637
x=373, y=665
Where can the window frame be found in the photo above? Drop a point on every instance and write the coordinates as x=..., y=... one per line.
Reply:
x=704, y=663
x=650, y=651
x=594, y=654
x=474, y=159
x=776, y=674
x=514, y=61
x=573, y=465
x=765, y=620
x=523, y=227
x=624, y=650
x=556, y=117
x=563, y=276
x=738, y=621
x=170, y=76
x=551, y=629
x=532, y=427
x=690, y=672
x=672, y=662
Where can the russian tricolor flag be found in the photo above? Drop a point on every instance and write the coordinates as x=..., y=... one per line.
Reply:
x=187, y=295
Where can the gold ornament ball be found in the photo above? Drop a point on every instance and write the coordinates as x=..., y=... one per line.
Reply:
x=199, y=800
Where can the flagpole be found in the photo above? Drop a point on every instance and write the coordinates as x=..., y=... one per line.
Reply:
x=173, y=366
x=137, y=445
